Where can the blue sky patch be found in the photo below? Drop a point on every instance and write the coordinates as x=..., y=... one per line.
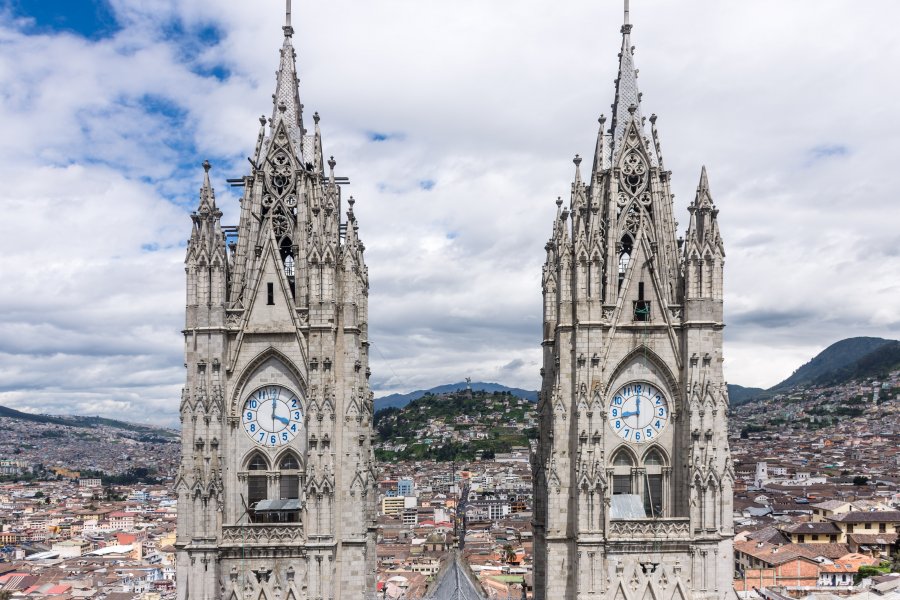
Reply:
x=92, y=19
x=828, y=151
x=427, y=184
x=382, y=136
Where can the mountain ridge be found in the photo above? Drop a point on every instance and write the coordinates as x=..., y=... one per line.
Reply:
x=847, y=359
x=80, y=421
x=401, y=400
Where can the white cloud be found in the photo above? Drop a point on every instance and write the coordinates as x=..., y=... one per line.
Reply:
x=788, y=104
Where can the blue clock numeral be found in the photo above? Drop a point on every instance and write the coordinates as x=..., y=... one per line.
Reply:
x=637, y=436
x=649, y=432
x=293, y=403
x=615, y=412
x=618, y=424
x=252, y=427
x=294, y=428
x=618, y=400
x=262, y=435
x=297, y=414
x=626, y=433
x=273, y=439
x=253, y=404
x=249, y=416
x=637, y=390
x=658, y=425
x=658, y=400
x=662, y=412
x=284, y=436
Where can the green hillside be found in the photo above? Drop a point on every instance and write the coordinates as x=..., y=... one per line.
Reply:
x=842, y=361
x=455, y=426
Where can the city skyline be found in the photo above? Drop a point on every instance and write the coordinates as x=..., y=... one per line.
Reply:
x=452, y=123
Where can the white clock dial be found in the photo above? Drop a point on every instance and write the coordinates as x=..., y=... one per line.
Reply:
x=272, y=416
x=638, y=412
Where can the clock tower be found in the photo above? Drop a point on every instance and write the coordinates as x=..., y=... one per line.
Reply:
x=633, y=478
x=276, y=490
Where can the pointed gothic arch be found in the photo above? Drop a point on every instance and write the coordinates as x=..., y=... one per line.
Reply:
x=252, y=369
x=644, y=352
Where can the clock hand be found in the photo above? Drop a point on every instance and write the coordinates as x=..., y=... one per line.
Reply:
x=283, y=420
x=630, y=414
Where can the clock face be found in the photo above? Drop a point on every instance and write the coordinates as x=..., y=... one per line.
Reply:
x=638, y=412
x=272, y=416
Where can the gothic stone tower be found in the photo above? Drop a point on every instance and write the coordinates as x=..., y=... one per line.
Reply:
x=276, y=488
x=633, y=479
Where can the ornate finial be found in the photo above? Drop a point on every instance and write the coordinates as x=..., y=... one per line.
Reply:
x=602, y=120
x=206, y=166
x=653, y=118
x=632, y=108
x=332, y=163
x=316, y=117
x=559, y=200
x=577, y=160
x=351, y=201
x=262, y=120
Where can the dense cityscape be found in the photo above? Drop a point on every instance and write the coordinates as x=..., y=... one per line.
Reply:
x=89, y=511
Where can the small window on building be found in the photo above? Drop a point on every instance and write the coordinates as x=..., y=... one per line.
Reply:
x=289, y=266
x=641, y=307
x=257, y=484
x=290, y=478
x=653, y=485
x=270, y=292
x=622, y=473
x=882, y=528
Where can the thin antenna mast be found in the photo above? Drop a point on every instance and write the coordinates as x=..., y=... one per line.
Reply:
x=288, y=15
x=627, y=11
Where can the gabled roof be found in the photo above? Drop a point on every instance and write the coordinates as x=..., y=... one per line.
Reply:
x=875, y=516
x=455, y=582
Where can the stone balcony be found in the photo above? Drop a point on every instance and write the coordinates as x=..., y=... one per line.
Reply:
x=641, y=530
x=263, y=534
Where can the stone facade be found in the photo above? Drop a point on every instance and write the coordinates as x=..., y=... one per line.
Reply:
x=276, y=344
x=632, y=501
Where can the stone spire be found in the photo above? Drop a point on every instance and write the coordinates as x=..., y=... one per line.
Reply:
x=627, y=94
x=287, y=95
x=703, y=230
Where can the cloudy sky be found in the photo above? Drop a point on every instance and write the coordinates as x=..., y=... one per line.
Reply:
x=457, y=123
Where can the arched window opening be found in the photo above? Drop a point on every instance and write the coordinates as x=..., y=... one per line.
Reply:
x=289, y=266
x=654, y=498
x=288, y=261
x=290, y=478
x=622, y=473
x=626, y=247
x=257, y=482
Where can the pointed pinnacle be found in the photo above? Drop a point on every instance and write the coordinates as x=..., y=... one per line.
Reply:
x=704, y=180
x=207, y=166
